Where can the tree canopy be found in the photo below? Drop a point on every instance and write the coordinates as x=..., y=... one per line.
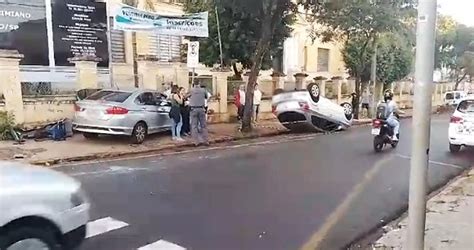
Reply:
x=454, y=48
x=359, y=23
x=241, y=29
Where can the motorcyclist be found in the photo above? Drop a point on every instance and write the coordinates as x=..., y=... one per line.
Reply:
x=393, y=114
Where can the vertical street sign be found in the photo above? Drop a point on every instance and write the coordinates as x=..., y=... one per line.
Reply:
x=193, y=57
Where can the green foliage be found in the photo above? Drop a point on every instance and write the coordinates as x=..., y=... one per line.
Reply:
x=241, y=29
x=454, y=48
x=7, y=123
x=361, y=18
x=394, y=58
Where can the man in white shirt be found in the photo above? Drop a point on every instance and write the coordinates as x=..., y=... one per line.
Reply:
x=257, y=99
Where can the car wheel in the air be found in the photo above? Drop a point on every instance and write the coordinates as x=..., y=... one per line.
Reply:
x=18, y=238
x=348, y=112
x=139, y=133
x=454, y=148
x=314, y=91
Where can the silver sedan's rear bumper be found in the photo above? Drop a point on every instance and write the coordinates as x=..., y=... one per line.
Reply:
x=108, y=130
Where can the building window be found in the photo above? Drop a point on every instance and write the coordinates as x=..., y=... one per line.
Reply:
x=323, y=60
x=117, y=41
x=165, y=47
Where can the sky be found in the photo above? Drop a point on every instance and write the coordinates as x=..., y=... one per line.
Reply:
x=461, y=10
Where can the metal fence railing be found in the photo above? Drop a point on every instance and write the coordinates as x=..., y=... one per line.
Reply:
x=47, y=88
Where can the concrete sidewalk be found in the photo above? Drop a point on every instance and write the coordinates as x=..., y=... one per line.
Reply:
x=449, y=220
x=78, y=148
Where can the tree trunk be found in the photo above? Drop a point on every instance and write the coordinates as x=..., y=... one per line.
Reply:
x=260, y=51
x=356, y=101
x=459, y=80
x=237, y=73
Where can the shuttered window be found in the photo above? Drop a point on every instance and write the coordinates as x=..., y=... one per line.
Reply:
x=117, y=38
x=165, y=47
x=323, y=60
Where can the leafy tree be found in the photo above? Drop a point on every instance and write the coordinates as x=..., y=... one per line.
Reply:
x=240, y=33
x=454, y=43
x=363, y=21
x=253, y=30
x=394, y=58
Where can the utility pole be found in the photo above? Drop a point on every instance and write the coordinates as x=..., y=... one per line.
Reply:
x=424, y=66
x=219, y=35
x=373, y=78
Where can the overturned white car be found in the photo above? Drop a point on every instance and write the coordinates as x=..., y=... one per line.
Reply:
x=306, y=110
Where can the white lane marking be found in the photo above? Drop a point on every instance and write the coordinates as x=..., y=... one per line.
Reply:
x=432, y=162
x=334, y=218
x=162, y=245
x=110, y=170
x=103, y=225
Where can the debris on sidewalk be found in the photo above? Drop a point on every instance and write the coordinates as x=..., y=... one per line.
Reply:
x=450, y=227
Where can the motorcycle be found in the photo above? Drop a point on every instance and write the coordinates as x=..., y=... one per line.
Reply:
x=383, y=135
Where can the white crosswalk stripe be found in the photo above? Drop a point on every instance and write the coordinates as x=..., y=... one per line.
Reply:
x=103, y=225
x=162, y=245
x=108, y=224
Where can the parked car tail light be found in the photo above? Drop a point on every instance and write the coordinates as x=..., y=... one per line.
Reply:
x=456, y=119
x=376, y=123
x=77, y=108
x=116, y=111
x=304, y=106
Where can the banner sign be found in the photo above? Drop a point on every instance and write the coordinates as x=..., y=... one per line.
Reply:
x=79, y=28
x=131, y=19
x=23, y=28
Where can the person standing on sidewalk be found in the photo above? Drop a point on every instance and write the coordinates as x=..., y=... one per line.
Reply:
x=257, y=99
x=197, y=102
x=175, y=114
x=186, y=129
x=365, y=100
x=239, y=100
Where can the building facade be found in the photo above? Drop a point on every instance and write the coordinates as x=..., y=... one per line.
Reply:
x=303, y=54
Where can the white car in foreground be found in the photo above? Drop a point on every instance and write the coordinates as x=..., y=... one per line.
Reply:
x=461, y=126
x=40, y=209
x=307, y=110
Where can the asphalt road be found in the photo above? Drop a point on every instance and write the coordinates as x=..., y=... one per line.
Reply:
x=276, y=193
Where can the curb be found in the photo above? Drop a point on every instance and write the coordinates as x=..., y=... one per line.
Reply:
x=98, y=156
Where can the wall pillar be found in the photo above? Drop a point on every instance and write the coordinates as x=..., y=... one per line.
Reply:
x=351, y=85
x=86, y=76
x=300, y=80
x=182, y=74
x=338, y=84
x=147, y=73
x=10, y=86
x=221, y=83
x=278, y=81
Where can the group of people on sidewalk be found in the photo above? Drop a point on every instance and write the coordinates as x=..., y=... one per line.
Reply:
x=239, y=101
x=188, y=113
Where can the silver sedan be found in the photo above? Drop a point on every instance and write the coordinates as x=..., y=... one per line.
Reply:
x=135, y=113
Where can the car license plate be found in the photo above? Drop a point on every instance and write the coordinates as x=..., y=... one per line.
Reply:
x=376, y=131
